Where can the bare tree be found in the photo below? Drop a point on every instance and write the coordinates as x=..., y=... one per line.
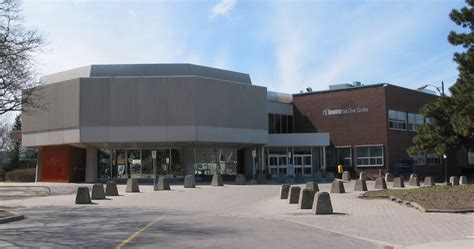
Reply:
x=18, y=46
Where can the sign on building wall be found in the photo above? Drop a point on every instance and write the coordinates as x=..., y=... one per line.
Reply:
x=345, y=111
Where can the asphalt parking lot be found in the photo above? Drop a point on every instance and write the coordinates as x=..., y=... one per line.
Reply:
x=232, y=216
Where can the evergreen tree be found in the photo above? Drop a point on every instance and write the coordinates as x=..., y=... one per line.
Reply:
x=14, y=152
x=452, y=129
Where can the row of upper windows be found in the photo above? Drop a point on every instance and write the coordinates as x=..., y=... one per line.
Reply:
x=365, y=156
x=278, y=123
x=406, y=121
x=427, y=159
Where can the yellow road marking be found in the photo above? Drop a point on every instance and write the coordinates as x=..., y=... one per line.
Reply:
x=119, y=246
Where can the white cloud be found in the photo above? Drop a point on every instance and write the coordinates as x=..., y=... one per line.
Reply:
x=222, y=8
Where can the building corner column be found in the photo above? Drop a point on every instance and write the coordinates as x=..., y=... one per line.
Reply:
x=91, y=164
x=38, y=167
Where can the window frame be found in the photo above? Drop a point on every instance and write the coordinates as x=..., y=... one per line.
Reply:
x=397, y=121
x=346, y=158
x=369, y=157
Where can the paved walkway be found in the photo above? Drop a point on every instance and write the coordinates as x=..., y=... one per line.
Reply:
x=378, y=221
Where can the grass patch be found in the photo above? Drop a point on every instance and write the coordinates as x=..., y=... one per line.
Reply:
x=437, y=197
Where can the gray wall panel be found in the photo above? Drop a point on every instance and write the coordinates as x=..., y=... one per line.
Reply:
x=123, y=101
x=153, y=101
x=181, y=101
x=62, y=108
x=95, y=102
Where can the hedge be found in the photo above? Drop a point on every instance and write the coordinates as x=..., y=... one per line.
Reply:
x=21, y=175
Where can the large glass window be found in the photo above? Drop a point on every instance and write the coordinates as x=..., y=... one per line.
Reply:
x=470, y=157
x=134, y=162
x=344, y=155
x=419, y=159
x=369, y=156
x=210, y=161
x=415, y=121
x=397, y=120
x=280, y=123
x=433, y=159
x=119, y=164
x=104, y=163
x=147, y=164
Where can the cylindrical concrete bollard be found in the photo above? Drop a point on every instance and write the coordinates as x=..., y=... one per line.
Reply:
x=388, y=177
x=189, y=181
x=322, y=203
x=83, y=196
x=217, y=181
x=454, y=180
x=98, y=191
x=132, y=186
x=360, y=185
x=337, y=187
x=463, y=180
x=398, y=182
x=284, y=191
x=240, y=179
x=306, y=199
x=313, y=186
x=111, y=189
x=346, y=176
x=429, y=182
x=414, y=181
x=380, y=183
x=294, y=195
x=363, y=176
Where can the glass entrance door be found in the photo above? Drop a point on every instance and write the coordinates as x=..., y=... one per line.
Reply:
x=278, y=164
x=303, y=165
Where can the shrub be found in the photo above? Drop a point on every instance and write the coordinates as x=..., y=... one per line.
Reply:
x=21, y=175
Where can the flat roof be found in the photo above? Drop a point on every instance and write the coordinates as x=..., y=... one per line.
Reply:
x=137, y=70
x=362, y=87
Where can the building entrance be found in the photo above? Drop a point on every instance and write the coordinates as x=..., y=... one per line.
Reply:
x=303, y=164
x=278, y=164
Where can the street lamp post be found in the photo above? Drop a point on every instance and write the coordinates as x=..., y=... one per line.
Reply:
x=441, y=92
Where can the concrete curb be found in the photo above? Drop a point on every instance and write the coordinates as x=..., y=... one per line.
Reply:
x=12, y=218
x=428, y=210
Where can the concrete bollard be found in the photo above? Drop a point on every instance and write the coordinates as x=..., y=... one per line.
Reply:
x=463, y=180
x=132, y=186
x=398, y=182
x=281, y=178
x=285, y=189
x=294, y=195
x=337, y=187
x=360, y=185
x=261, y=179
x=83, y=196
x=414, y=180
x=346, y=176
x=454, y=180
x=330, y=176
x=111, y=189
x=322, y=203
x=313, y=186
x=388, y=177
x=162, y=184
x=306, y=199
x=98, y=192
x=317, y=177
x=299, y=178
x=380, y=183
x=217, y=181
x=429, y=181
x=363, y=176
x=189, y=181
x=240, y=179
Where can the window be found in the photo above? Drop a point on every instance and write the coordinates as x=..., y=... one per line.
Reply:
x=419, y=159
x=280, y=123
x=470, y=157
x=344, y=155
x=397, y=120
x=369, y=156
x=415, y=121
x=432, y=159
x=430, y=120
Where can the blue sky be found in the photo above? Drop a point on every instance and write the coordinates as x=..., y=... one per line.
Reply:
x=285, y=46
